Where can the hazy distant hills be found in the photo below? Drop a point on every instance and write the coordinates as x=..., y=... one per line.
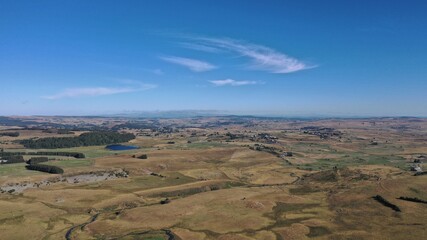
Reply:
x=171, y=114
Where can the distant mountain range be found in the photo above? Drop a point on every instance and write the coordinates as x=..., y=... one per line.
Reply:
x=219, y=113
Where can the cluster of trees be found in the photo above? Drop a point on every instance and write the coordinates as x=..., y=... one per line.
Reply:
x=13, y=159
x=85, y=139
x=35, y=160
x=10, y=134
x=45, y=168
x=64, y=131
x=34, y=164
x=263, y=148
x=157, y=175
x=233, y=136
x=58, y=131
x=64, y=154
x=136, y=125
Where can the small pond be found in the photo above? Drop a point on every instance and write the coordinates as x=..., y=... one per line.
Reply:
x=119, y=147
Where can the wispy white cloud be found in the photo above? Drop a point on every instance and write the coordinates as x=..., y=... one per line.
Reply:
x=201, y=47
x=193, y=64
x=231, y=82
x=98, y=91
x=263, y=58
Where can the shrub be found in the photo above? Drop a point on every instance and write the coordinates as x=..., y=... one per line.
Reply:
x=165, y=201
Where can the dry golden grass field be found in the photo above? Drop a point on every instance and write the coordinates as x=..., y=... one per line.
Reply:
x=222, y=178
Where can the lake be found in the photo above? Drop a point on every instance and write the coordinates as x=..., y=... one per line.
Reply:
x=119, y=147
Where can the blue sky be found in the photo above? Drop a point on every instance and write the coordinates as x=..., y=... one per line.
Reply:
x=333, y=58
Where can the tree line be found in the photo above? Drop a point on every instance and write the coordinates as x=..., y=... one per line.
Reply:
x=413, y=199
x=45, y=168
x=386, y=203
x=34, y=164
x=64, y=154
x=20, y=159
x=85, y=139
x=13, y=159
x=35, y=160
x=10, y=134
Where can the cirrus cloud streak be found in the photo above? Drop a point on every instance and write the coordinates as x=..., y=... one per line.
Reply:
x=97, y=91
x=231, y=82
x=192, y=64
x=261, y=57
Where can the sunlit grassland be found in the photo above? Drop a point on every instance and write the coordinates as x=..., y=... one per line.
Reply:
x=16, y=169
x=89, y=152
x=71, y=163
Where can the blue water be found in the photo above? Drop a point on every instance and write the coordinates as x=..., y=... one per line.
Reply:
x=118, y=147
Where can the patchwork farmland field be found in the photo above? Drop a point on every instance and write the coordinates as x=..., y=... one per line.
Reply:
x=220, y=178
